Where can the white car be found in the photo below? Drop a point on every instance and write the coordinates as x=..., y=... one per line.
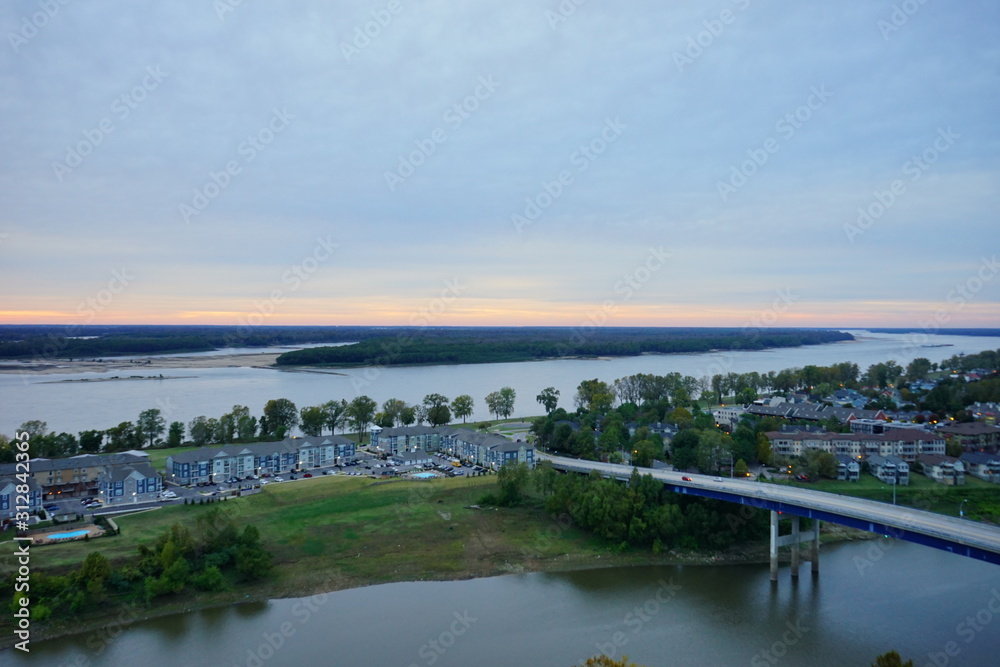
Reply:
x=279, y=479
x=168, y=495
x=263, y=482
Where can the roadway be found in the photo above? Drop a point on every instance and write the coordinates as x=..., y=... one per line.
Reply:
x=982, y=540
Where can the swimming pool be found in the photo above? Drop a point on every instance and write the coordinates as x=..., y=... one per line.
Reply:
x=425, y=475
x=64, y=536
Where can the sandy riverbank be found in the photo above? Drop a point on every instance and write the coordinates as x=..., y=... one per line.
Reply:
x=139, y=366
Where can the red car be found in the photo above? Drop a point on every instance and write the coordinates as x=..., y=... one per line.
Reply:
x=687, y=479
x=308, y=474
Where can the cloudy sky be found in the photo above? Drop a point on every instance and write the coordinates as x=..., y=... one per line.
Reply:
x=483, y=162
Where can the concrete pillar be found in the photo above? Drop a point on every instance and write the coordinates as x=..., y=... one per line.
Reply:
x=774, y=546
x=795, y=547
x=815, y=549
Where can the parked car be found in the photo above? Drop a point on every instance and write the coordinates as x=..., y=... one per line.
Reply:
x=279, y=479
x=327, y=472
x=308, y=474
x=51, y=508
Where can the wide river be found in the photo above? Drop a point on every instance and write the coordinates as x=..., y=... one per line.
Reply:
x=187, y=393
x=871, y=597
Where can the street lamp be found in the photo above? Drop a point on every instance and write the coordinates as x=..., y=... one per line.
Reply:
x=961, y=512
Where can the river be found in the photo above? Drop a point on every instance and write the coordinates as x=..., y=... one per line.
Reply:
x=187, y=393
x=870, y=597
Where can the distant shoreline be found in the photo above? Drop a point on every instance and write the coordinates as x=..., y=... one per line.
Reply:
x=66, y=366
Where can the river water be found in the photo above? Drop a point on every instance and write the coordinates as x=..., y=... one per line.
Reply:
x=187, y=393
x=868, y=598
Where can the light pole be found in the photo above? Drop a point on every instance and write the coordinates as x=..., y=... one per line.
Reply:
x=961, y=512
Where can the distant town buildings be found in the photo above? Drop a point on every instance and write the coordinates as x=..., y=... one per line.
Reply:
x=485, y=449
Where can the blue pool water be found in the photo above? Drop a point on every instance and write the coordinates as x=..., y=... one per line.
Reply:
x=425, y=475
x=63, y=536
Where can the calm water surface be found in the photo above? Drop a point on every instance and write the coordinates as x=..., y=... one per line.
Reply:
x=75, y=406
x=869, y=598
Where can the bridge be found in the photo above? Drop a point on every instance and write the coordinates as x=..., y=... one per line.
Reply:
x=959, y=536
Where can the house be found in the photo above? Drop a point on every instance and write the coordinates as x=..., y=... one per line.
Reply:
x=485, y=449
x=137, y=483
x=811, y=412
x=217, y=464
x=890, y=469
x=982, y=465
x=848, y=469
x=11, y=502
x=972, y=436
x=906, y=444
x=844, y=397
x=75, y=476
x=412, y=458
x=985, y=412
x=729, y=416
x=945, y=470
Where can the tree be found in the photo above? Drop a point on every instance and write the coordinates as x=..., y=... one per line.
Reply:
x=462, y=406
x=493, y=403
x=392, y=411
x=594, y=396
x=151, y=424
x=175, y=434
x=549, y=398
x=741, y=469
x=507, y=396
x=891, y=659
x=336, y=414
x=763, y=448
x=438, y=412
x=820, y=463
x=360, y=413
x=123, y=437
x=684, y=449
x=199, y=430
x=918, y=368
x=511, y=479
x=35, y=428
x=281, y=415
x=312, y=420
x=91, y=441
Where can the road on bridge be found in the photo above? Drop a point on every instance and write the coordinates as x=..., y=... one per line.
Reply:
x=962, y=531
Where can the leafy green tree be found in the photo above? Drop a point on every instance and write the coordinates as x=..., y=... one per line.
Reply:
x=281, y=415
x=200, y=430
x=360, y=413
x=643, y=453
x=35, y=428
x=175, y=434
x=336, y=414
x=741, y=469
x=123, y=437
x=763, y=449
x=891, y=659
x=312, y=419
x=151, y=424
x=438, y=411
x=507, y=397
x=594, y=396
x=549, y=398
x=91, y=441
x=511, y=480
x=408, y=415
x=462, y=406
x=684, y=448
x=392, y=411
x=918, y=368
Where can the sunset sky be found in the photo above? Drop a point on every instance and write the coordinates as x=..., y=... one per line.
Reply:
x=500, y=163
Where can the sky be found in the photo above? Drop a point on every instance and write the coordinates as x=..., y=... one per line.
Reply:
x=500, y=163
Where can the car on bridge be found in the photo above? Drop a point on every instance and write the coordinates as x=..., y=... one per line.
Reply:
x=686, y=479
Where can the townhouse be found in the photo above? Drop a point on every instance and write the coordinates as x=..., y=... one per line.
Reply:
x=982, y=465
x=972, y=436
x=217, y=464
x=906, y=444
x=890, y=469
x=134, y=483
x=946, y=470
x=75, y=476
x=486, y=449
x=11, y=501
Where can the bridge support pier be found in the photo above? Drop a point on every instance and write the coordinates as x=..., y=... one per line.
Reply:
x=793, y=540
